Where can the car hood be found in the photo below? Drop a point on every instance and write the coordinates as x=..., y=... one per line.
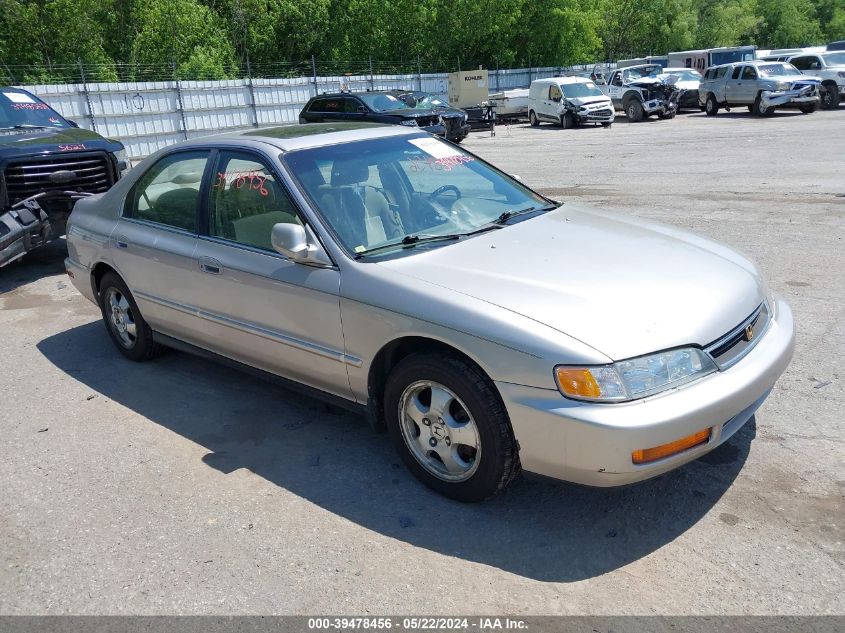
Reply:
x=582, y=101
x=44, y=140
x=623, y=286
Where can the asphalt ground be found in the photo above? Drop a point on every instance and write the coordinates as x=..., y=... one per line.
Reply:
x=181, y=486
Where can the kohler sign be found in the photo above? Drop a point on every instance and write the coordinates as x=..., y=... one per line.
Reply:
x=468, y=88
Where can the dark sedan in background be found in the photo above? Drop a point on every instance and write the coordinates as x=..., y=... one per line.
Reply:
x=375, y=107
x=455, y=120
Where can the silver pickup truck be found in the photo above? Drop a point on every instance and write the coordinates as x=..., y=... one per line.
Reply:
x=761, y=86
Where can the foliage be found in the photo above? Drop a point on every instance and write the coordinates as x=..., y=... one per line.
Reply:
x=46, y=40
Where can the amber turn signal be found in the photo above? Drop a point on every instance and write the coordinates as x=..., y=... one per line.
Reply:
x=578, y=383
x=647, y=455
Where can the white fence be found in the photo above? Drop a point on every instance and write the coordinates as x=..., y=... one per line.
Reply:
x=146, y=116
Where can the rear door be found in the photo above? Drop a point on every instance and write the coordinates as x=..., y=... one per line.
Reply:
x=257, y=306
x=153, y=243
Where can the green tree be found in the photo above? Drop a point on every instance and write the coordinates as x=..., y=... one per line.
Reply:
x=727, y=23
x=787, y=24
x=559, y=32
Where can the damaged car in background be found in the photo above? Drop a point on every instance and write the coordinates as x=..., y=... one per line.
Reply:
x=639, y=92
x=455, y=120
x=46, y=164
x=760, y=86
x=687, y=82
x=568, y=101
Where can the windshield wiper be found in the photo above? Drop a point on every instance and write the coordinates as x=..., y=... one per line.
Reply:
x=410, y=241
x=507, y=215
x=26, y=126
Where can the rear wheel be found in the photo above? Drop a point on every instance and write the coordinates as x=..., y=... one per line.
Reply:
x=634, y=111
x=125, y=325
x=448, y=423
x=830, y=97
x=711, y=108
x=532, y=119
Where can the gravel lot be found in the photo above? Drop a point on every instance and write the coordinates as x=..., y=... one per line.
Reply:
x=181, y=486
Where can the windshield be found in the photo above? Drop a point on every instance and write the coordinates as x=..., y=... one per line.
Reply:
x=684, y=74
x=574, y=91
x=422, y=101
x=777, y=70
x=382, y=102
x=638, y=72
x=834, y=59
x=19, y=109
x=374, y=193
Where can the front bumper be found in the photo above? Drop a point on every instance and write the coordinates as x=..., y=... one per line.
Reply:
x=21, y=231
x=656, y=106
x=598, y=115
x=438, y=129
x=788, y=98
x=592, y=443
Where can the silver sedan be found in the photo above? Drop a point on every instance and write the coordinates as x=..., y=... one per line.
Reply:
x=488, y=328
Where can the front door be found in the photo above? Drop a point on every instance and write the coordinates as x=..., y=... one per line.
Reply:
x=257, y=306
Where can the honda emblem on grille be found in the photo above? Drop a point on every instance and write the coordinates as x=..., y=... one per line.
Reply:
x=62, y=177
x=749, y=332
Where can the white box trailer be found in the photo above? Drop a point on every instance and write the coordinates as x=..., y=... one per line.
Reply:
x=468, y=88
x=701, y=60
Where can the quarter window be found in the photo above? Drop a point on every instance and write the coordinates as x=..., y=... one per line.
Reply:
x=168, y=193
x=246, y=201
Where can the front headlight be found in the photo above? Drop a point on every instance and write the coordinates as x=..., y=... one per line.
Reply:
x=123, y=164
x=783, y=85
x=635, y=378
x=409, y=122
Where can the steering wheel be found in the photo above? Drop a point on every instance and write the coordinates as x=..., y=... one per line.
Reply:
x=443, y=189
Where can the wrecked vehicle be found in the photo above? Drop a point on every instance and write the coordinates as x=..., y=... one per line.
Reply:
x=455, y=120
x=760, y=86
x=568, y=101
x=46, y=161
x=687, y=81
x=639, y=92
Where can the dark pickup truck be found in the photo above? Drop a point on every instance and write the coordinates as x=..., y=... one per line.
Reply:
x=46, y=163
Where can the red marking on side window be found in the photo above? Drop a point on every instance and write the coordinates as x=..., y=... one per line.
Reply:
x=254, y=180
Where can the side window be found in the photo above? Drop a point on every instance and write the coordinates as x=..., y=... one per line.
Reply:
x=749, y=73
x=554, y=93
x=617, y=79
x=736, y=72
x=318, y=105
x=350, y=105
x=246, y=201
x=334, y=105
x=168, y=193
x=801, y=63
x=815, y=63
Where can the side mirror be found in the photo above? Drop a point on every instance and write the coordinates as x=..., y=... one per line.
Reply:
x=292, y=241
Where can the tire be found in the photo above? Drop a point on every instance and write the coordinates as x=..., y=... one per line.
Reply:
x=634, y=111
x=459, y=139
x=606, y=125
x=124, y=323
x=482, y=459
x=532, y=119
x=751, y=109
x=567, y=121
x=711, y=108
x=808, y=109
x=830, y=97
x=759, y=110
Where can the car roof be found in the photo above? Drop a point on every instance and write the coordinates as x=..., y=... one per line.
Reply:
x=296, y=136
x=353, y=94
x=569, y=79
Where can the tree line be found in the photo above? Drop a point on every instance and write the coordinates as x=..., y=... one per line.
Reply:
x=45, y=40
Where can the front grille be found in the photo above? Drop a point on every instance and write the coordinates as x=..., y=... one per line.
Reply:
x=604, y=112
x=737, y=343
x=427, y=121
x=91, y=174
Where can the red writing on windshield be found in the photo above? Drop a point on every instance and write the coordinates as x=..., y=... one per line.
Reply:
x=30, y=106
x=447, y=163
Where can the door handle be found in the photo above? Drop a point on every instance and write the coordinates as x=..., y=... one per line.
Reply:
x=210, y=265
x=121, y=242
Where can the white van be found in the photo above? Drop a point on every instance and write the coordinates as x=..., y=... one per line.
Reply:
x=568, y=101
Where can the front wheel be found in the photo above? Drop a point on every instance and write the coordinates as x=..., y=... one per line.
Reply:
x=808, y=109
x=760, y=109
x=711, y=108
x=606, y=125
x=450, y=426
x=634, y=111
x=830, y=97
x=567, y=121
x=532, y=119
x=124, y=323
